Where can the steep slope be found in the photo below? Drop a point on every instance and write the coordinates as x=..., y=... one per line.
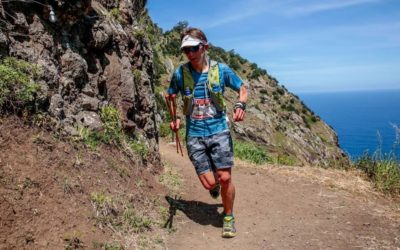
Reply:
x=57, y=193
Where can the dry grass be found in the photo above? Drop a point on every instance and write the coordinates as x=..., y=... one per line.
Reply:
x=351, y=183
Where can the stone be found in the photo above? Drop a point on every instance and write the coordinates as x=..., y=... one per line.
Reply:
x=56, y=106
x=89, y=119
x=88, y=103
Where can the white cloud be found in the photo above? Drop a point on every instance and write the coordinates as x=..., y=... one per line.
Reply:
x=242, y=10
x=325, y=6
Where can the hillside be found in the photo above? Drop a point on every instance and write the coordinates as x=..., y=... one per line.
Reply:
x=60, y=194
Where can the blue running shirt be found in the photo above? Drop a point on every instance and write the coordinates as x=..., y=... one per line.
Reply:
x=205, y=126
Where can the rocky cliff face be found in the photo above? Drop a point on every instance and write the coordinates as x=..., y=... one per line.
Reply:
x=93, y=55
x=279, y=120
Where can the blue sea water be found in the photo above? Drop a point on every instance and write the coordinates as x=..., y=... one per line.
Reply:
x=364, y=121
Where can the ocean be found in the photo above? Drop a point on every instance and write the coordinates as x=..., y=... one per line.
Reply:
x=364, y=121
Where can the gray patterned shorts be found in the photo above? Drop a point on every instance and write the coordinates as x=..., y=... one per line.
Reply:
x=211, y=152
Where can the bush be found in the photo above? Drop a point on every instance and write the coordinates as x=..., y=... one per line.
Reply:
x=18, y=89
x=112, y=133
x=384, y=171
x=165, y=129
x=250, y=152
x=139, y=147
x=234, y=63
x=280, y=91
x=284, y=160
x=115, y=13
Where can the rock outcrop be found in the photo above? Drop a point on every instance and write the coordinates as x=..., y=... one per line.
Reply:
x=91, y=56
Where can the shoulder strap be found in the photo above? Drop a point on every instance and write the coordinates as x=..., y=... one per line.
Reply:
x=213, y=73
x=188, y=82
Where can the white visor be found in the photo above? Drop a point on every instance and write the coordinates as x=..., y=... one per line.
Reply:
x=189, y=41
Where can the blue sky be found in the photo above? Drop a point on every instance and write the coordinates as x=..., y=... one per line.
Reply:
x=308, y=45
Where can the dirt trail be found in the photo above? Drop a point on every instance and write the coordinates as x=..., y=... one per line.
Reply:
x=284, y=208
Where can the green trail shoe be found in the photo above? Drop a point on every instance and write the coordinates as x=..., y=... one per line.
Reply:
x=228, y=229
x=215, y=191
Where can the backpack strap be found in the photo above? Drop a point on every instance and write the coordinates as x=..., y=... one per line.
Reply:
x=188, y=82
x=213, y=74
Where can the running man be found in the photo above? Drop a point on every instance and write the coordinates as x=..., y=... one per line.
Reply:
x=202, y=82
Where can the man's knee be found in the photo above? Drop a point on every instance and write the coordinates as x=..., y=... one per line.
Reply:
x=224, y=178
x=208, y=185
x=208, y=182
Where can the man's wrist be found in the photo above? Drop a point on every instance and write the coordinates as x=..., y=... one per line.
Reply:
x=241, y=105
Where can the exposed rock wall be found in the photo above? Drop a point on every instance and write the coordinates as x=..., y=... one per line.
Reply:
x=92, y=56
x=286, y=127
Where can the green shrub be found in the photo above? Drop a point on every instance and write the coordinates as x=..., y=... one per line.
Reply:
x=280, y=91
x=112, y=133
x=250, y=152
x=384, y=171
x=139, y=147
x=115, y=13
x=290, y=108
x=285, y=160
x=139, y=34
x=165, y=129
x=137, y=76
x=234, y=63
x=100, y=199
x=17, y=83
x=90, y=138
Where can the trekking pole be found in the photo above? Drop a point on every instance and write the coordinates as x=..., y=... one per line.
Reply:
x=167, y=103
x=178, y=142
x=172, y=111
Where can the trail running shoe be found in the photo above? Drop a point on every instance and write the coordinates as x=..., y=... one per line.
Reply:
x=228, y=228
x=215, y=191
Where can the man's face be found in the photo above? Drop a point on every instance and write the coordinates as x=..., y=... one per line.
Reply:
x=194, y=53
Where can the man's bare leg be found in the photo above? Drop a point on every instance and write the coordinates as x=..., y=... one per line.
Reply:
x=227, y=189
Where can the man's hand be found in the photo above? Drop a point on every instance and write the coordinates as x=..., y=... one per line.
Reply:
x=175, y=125
x=239, y=111
x=240, y=106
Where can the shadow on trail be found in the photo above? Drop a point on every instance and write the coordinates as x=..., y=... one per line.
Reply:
x=200, y=212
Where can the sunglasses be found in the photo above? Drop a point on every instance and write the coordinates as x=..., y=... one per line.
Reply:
x=192, y=49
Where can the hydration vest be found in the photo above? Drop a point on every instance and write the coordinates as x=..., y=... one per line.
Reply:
x=213, y=82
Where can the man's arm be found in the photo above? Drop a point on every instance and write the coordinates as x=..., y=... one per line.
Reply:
x=240, y=106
